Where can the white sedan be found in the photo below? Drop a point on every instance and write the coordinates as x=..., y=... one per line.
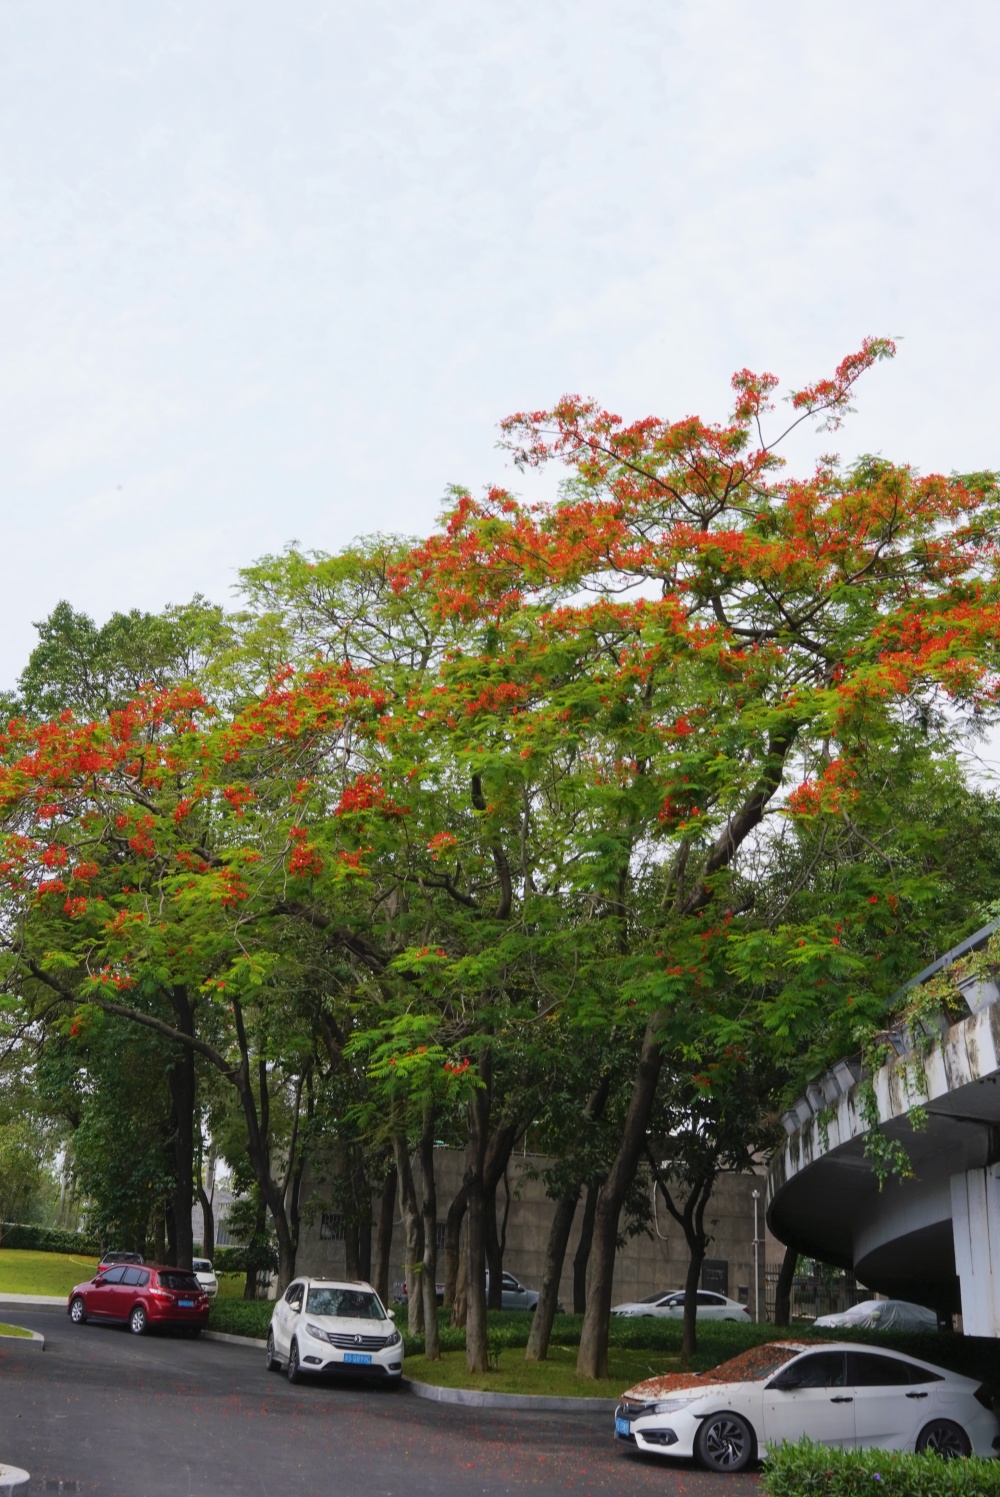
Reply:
x=323, y=1325
x=205, y=1274
x=669, y=1305
x=836, y=1394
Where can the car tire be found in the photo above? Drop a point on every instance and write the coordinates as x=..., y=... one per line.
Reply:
x=78, y=1310
x=292, y=1370
x=138, y=1321
x=945, y=1438
x=270, y=1357
x=725, y=1442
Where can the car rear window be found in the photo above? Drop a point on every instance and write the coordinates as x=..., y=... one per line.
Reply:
x=179, y=1280
x=350, y=1304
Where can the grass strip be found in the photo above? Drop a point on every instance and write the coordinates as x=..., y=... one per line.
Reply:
x=13, y=1330
x=554, y=1378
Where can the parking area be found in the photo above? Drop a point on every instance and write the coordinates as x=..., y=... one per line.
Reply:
x=104, y=1412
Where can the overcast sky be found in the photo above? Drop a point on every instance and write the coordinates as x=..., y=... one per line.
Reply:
x=275, y=271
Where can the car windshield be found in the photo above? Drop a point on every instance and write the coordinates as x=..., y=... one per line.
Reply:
x=349, y=1304
x=652, y=1299
x=179, y=1280
x=201, y=1265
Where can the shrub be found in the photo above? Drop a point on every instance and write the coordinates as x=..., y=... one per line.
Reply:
x=33, y=1239
x=804, y=1469
x=230, y=1260
x=241, y=1317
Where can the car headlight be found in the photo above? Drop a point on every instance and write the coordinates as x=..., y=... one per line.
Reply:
x=314, y=1330
x=671, y=1405
x=394, y=1339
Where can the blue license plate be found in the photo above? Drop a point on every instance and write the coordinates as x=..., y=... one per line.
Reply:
x=360, y=1357
x=186, y=1304
x=622, y=1427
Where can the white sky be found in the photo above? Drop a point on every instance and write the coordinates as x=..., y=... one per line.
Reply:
x=273, y=272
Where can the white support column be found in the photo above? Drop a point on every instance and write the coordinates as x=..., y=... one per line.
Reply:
x=975, y=1220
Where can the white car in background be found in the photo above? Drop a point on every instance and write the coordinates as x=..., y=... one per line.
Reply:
x=842, y=1394
x=882, y=1315
x=205, y=1274
x=325, y=1325
x=669, y=1305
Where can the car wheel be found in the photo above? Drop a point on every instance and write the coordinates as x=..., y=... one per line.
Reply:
x=944, y=1438
x=138, y=1321
x=77, y=1311
x=270, y=1358
x=725, y=1442
x=292, y=1370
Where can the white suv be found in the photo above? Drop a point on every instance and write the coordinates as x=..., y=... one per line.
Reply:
x=323, y=1325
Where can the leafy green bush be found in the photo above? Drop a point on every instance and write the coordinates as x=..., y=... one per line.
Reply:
x=230, y=1260
x=805, y=1469
x=34, y=1239
x=241, y=1317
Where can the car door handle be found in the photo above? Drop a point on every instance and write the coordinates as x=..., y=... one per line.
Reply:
x=916, y=1395
x=843, y=1398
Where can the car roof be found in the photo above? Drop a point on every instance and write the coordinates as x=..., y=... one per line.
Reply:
x=333, y=1283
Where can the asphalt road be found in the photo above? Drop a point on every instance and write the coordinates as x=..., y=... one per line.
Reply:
x=102, y=1411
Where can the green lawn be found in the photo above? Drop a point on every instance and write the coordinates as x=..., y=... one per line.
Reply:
x=555, y=1377
x=23, y=1272
x=231, y=1285
x=13, y=1330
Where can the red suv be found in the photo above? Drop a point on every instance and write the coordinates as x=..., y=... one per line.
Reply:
x=141, y=1297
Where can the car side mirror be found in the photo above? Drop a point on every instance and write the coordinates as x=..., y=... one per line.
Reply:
x=786, y=1381
x=391, y=1314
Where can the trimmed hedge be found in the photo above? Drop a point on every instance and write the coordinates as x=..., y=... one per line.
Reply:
x=717, y=1340
x=33, y=1239
x=804, y=1469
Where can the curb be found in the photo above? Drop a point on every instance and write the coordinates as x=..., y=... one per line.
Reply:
x=33, y=1336
x=45, y=1300
x=469, y=1398
x=232, y=1340
x=538, y=1403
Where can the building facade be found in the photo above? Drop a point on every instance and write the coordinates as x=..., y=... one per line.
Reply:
x=644, y=1265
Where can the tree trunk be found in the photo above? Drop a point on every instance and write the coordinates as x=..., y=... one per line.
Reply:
x=592, y=1360
x=383, y=1239
x=689, y=1331
x=181, y=1080
x=251, y=1286
x=208, y=1224
x=555, y=1254
x=783, y=1289
x=452, y=1238
x=352, y=1259
x=475, y=1224
x=413, y=1232
x=365, y=1248
x=428, y=1277
x=460, y=1309
x=494, y=1251
x=583, y=1247
x=168, y=1219
x=159, y=1238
